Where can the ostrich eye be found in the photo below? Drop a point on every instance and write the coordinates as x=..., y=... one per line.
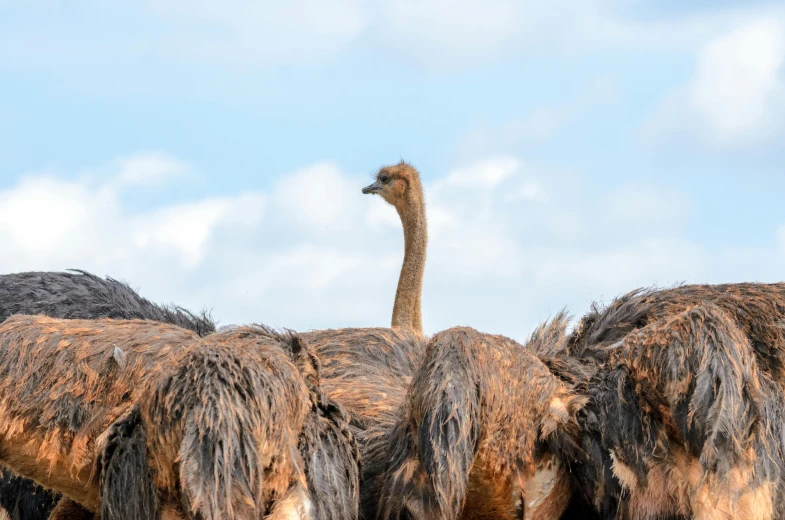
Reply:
x=385, y=179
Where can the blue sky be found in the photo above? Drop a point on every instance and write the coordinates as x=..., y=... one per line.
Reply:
x=212, y=155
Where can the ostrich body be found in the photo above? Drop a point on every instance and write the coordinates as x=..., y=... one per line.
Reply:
x=138, y=419
x=49, y=422
x=75, y=294
x=476, y=435
x=686, y=403
x=78, y=294
x=674, y=409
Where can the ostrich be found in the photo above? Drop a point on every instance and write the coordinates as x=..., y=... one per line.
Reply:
x=368, y=370
x=78, y=294
x=136, y=418
x=686, y=403
x=468, y=444
x=677, y=411
x=75, y=294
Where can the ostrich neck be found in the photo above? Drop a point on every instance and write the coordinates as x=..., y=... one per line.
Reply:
x=406, y=311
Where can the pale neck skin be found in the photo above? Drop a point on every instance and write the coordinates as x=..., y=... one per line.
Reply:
x=407, y=311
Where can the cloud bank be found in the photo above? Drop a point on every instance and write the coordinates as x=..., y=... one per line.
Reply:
x=736, y=95
x=511, y=243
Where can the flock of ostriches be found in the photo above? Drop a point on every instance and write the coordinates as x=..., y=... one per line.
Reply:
x=665, y=404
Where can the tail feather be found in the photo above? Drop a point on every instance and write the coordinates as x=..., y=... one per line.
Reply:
x=332, y=461
x=221, y=470
x=433, y=449
x=126, y=482
x=229, y=418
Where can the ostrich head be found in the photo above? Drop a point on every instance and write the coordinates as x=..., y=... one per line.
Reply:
x=398, y=184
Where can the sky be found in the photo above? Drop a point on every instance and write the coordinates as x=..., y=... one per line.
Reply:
x=212, y=154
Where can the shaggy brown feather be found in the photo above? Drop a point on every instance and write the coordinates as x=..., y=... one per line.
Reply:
x=471, y=445
x=230, y=418
x=683, y=417
x=224, y=421
x=74, y=295
x=63, y=382
x=757, y=309
x=686, y=403
x=368, y=372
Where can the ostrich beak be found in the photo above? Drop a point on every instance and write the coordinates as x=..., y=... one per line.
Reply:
x=373, y=188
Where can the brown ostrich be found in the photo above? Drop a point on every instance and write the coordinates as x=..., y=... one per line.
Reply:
x=687, y=396
x=471, y=445
x=251, y=397
x=368, y=370
x=138, y=419
x=677, y=402
x=75, y=294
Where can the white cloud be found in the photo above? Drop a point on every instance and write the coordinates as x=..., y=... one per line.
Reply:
x=620, y=268
x=739, y=78
x=441, y=35
x=487, y=174
x=50, y=223
x=316, y=196
x=510, y=245
x=188, y=228
x=528, y=190
x=147, y=169
x=41, y=212
x=736, y=96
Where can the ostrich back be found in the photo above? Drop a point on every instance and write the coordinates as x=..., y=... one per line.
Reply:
x=79, y=295
x=658, y=366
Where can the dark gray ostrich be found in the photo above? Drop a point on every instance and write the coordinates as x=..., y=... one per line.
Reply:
x=78, y=294
x=75, y=294
x=139, y=419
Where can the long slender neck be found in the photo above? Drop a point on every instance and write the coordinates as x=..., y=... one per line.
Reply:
x=406, y=311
